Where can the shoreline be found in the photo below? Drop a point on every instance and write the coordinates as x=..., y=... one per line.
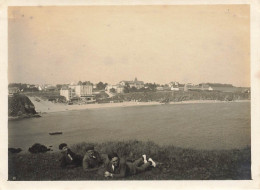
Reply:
x=45, y=106
x=14, y=118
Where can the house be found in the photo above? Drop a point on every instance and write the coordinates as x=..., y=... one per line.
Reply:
x=246, y=90
x=50, y=88
x=13, y=91
x=110, y=86
x=192, y=87
x=83, y=92
x=67, y=92
x=174, y=86
x=135, y=83
x=206, y=87
x=163, y=87
x=120, y=89
x=40, y=88
x=30, y=86
x=181, y=87
x=159, y=88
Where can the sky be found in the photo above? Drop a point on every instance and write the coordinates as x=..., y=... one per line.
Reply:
x=184, y=43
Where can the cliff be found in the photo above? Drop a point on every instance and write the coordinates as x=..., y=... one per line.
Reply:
x=20, y=106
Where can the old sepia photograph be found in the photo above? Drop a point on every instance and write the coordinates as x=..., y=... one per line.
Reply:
x=129, y=92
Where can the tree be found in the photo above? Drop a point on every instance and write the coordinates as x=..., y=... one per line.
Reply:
x=133, y=89
x=101, y=85
x=79, y=83
x=112, y=90
x=142, y=89
x=151, y=86
x=18, y=85
x=87, y=83
x=59, y=86
x=126, y=88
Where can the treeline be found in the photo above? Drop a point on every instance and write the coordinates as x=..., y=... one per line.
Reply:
x=23, y=87
x=219, y=85
x=53, y=96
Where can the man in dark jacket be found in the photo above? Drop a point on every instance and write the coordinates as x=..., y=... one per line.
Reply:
x=92, y=159
x=119, y=168
x=69, y=159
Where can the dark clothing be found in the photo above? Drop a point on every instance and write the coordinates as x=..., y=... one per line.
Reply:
x=119, y=171
x=128, y=168
x=70, y=159
x=89, y=162
x=138, y=166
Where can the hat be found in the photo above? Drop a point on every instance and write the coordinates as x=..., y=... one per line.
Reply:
x=89, y=147
x=112, y=155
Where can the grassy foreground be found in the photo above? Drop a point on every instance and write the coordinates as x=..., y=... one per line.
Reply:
x=174, y=163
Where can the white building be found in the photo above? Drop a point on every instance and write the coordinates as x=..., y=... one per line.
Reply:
x=67, y=92
x=135, y=83
x=110, y=86
x=206, y=87
x=174, y=86
x=120, y=89
x=40, y=88
x=159, y=88
x=190, y=86
x=83, y=90
x=80, y=91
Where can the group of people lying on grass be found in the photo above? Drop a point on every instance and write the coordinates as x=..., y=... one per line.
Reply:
x=114, y=166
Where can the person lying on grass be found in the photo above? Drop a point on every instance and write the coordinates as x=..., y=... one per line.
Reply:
x=69, y=159
x=92, y=159
x=118, y=167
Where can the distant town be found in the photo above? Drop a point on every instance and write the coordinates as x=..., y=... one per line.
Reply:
x=87, y=91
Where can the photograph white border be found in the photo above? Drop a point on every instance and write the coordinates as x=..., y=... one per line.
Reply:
x=183, y=184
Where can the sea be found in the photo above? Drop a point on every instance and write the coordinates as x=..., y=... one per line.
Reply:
x=206, y=126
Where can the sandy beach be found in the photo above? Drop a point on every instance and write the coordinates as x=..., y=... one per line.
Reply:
x=44, y=106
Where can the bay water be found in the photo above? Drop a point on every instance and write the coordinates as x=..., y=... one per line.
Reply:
x=199, y=126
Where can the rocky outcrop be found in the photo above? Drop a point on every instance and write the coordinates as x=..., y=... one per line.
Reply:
x=14, y=150
x=38, y=148
x=20, y=106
